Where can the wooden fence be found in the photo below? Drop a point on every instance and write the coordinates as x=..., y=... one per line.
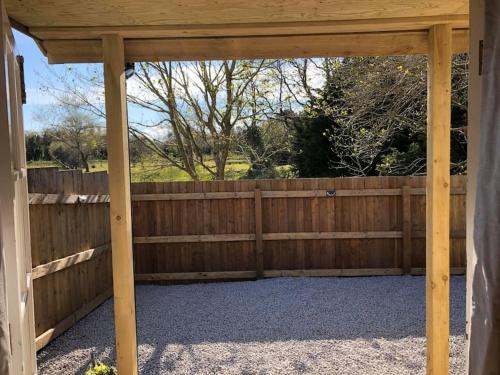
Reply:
x=70, y=248
x=309, y=227
x=224, y=230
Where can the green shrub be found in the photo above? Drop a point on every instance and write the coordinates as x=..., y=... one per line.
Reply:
x=101, y=369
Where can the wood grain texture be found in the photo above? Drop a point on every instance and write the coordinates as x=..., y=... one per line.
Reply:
x=254, y=47
x=460, y=21
x=120, y=207
x=178, y=12
x=438, y=199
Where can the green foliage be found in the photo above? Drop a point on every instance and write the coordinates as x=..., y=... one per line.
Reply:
x=101, y=369
x=312, y=152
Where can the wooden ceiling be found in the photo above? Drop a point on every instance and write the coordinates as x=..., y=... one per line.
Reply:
x=76, y=24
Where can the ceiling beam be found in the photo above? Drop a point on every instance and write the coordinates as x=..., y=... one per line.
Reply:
x=298, y=46
x=253, y=29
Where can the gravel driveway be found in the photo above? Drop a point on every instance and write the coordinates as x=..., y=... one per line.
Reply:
x=364, y=325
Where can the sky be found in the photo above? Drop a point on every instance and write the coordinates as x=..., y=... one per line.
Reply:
x=36, y=68
x=37, y=71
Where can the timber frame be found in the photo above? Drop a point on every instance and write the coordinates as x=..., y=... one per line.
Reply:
x=115, y=32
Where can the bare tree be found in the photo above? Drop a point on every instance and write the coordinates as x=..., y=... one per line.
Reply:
x=198, y=105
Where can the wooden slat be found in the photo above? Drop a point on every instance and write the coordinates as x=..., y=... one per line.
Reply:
x=290, y=46
x=196, y=238
x=330, y=193
x=460, y=21
x=39, y=198
x=453, y=191
x=407, y=229
x=334, y=272
x=438, y=199
x=453, y=271
x=49, y=335
x=61, y=264
x=259, y=245
x=196, y=276
x=330, y=235
x=120, y=210
x=192, y=196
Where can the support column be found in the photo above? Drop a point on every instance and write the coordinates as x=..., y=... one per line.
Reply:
x=438, y=199
x=120, y=210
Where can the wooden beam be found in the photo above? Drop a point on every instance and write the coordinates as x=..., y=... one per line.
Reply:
x=251, y=47
x=416, y=271
x=221, y=275
x=66, y=262
x=259, y=243
x=438, y=199
x=460, y=21
x=407, y=229
x=349, y=272
x=192, y=196
x=330, y=235
x=177, y=276
x=41, y=198
x=196, y=238
x=120, y=210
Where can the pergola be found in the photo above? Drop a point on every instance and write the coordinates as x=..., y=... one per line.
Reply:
x=118, y=31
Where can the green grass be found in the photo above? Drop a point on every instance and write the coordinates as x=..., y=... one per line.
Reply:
x=151, y=171
x=155, y=170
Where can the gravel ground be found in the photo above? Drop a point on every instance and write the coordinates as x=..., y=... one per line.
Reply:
x=371, y=325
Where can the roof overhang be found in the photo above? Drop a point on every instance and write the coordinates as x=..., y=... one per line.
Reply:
x=71, y=31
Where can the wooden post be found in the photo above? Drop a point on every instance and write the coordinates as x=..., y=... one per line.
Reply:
x=120, y=210
x=438, y=199
x=259, y=246
x=407, y=229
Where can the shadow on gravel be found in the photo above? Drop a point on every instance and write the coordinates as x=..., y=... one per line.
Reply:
x=285, y=309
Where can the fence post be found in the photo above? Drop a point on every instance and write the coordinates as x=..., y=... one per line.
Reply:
x=407, y=229
x=259, y=250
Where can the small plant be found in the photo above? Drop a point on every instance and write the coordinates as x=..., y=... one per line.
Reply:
x=101, y=369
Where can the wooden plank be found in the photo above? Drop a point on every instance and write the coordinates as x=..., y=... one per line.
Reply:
x=407, y=229
x=180, y=13
x=259, y=245
x=196, y=238
x=460, y=21
x=267, y=273
x=334, y=272
x=120, y=210
x=323, y=193
x=40, y=198
x=196, y=276
x=459, y=234
x=260, y=47
x=192, y=196
x=453, y=191
x=330, y=235
x=438, y=199
x=60, y=264
x=419, y=271
x=45, y=338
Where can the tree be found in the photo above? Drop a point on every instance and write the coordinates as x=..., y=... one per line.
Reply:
x=75, y=137
x=197, y=105
x=37, y=145
x=265, y=146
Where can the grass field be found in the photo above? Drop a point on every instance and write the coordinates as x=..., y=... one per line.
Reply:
x=152, y=170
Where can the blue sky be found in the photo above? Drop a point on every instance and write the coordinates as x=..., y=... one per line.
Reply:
x=35, y=69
